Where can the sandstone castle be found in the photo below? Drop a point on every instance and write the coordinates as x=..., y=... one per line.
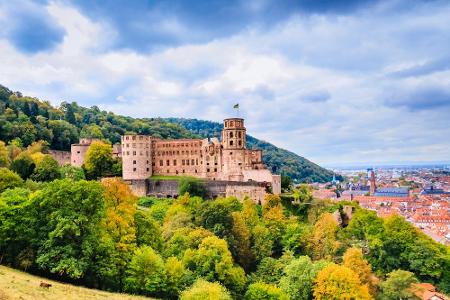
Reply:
x=227, y=166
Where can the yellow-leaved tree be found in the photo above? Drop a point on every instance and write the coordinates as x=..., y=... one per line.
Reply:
x=323, y=242
x=339, y=282
x=353, y=259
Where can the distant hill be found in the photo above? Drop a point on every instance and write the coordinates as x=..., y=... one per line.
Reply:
x=27, y=119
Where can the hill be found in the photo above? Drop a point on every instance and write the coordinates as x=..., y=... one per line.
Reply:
x=27, y=119
x=19, y=285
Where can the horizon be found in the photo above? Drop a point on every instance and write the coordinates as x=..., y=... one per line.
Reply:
x=339, y=82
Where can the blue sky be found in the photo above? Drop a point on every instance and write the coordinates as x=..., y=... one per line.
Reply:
x=335, y=81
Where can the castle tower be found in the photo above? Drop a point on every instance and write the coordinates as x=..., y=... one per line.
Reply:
x=373, y=186
x=233, y=134
x=233, y=143
x=136, y=157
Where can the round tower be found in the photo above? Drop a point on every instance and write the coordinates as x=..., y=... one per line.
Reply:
x=233, y=134
x=136, y=157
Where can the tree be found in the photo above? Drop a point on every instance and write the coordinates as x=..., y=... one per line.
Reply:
x=146, y=273
x=241, y=239
x=271, y=270
x=275, y=221
x=119, y=224
x=264, y=291
x=46, y=169
x=299, y=277
x=323, y=243
x=213, y=261
x=99, y=160
x=71, y=172
x=192, y=186
x=68, y=216
x=23, y=165
x=354, y=260
x=16, y=230
x=216, y=215
x=4, y=156
x=262, y=242
x=91, y=131
x=296, y=237
x=178, y=277
x=204, y=290
x=339, y=282
x=148, y=230
x=398, y=285
x=9, y=179
x=286, y=182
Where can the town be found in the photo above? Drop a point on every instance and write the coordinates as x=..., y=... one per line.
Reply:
x=420, y=194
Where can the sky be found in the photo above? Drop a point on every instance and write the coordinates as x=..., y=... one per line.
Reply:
x=338, y=82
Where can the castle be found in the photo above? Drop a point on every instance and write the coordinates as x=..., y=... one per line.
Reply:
x=235, y=169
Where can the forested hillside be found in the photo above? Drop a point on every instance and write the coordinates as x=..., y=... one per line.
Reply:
x=28, y=119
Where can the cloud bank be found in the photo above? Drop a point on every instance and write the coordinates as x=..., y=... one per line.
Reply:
x=336, y=82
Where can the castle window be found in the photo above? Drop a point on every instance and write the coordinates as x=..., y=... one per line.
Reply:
x=215, y=169
x=192, y=162
x=231, y=123
x=168, y=162
x=196, y=161
x=147, y=162
x=134, y=152
x=140, y=137
x=133, y=137
x=239, y=134
x=128, y=145
x=231, y=134
x=153, y=164
x=134, y=169
x=148, y=169
x=182, y=162
x=78, y=152
x=176, y=172
x=126, y=138
x=183, y=171
x=187, y=162
x=240, y=143
x=174, y=162
x=207, y=170
x=168, y=171
x=231, y=143
x=161, y=163
x=134, y=162
x=231, y=153
x=128, y=152
x=195, y=170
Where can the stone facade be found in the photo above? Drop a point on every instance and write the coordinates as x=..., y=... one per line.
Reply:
x=226, y=160
x=62, y=157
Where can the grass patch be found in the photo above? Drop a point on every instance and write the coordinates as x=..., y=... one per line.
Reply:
x=15, y=284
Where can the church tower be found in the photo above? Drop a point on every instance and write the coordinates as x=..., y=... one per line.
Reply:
x=233, y=134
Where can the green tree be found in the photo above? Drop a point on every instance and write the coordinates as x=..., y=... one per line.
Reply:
x=192, y=186
x=262, y=242
x=299, y=278
x=68, y=216
x=398, y=285
x=271, y=270
x=241, y=241
x=148, y=230
x=204, y=290
x=9, y=179
x=178, y=277
x=91, y=131
x=146, y=273
x=213, y=261
x=264, y=291
x=296, y=237
x=46, y=169
x=99, y=160
x=71, y=172
x=23, y=165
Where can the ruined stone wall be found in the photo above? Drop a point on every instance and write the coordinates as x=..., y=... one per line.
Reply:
x=62, y=157
x=78, y=154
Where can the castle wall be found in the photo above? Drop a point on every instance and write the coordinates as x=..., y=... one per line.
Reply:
x=78, y=154
x=178, y=157
x=62, y=157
